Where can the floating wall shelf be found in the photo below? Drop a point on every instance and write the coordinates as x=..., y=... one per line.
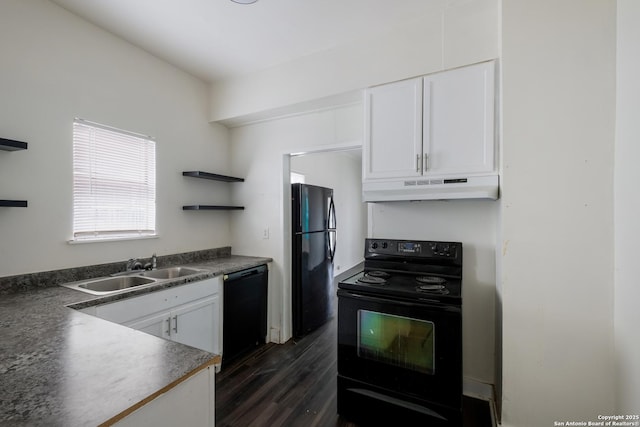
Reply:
x=12, y=145
x=213, y=177
x=13, y=203
x=212, y=208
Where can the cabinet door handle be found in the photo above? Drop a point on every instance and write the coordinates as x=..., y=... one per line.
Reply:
x=417, y=162
x=426, y=162
x=168, y=326
x=175, y=324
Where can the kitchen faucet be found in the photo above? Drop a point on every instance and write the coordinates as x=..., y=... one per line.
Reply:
x=133, y=264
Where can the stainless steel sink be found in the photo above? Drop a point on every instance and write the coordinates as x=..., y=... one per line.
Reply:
x=170, y=273
x=127, y=281
x=110, y=284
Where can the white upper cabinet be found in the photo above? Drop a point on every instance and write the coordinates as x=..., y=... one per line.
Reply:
x=432, y=137
x=458, y=117
x=393, y=130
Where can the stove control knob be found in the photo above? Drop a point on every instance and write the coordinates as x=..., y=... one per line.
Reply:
x=443, y=249
x=384, y=245
x=374, y=245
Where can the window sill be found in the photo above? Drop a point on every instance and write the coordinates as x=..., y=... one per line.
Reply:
x=110, y=239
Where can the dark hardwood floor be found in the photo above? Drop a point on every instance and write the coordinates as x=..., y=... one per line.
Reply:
x=294, y=384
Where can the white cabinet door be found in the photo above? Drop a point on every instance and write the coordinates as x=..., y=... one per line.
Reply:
x=458, y=135
x=393, y=130
x=196, y=324
x=158, y=324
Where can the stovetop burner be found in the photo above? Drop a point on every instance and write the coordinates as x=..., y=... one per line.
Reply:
x=372, y=280
x=378, y=273
x=405, y=285
x=433, y=288
x=431, y=280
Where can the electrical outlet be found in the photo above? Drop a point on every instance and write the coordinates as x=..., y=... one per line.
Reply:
x=265, y=233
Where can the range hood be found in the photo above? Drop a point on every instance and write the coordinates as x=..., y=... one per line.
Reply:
x=455, y=187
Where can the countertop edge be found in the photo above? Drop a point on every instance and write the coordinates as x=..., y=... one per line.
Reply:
x=215, y=360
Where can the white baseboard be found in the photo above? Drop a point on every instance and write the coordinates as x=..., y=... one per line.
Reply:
x=274, y=335
x=477, y=389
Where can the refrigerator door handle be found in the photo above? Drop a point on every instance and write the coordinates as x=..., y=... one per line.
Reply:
x=332, y=225
x=331, y=220
x=330, y=246
x=335, y=242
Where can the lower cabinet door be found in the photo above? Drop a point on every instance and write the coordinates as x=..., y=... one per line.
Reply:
x=197, y=324
x=158, y=324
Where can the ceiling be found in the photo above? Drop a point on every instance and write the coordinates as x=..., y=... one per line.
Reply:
x=218, y=39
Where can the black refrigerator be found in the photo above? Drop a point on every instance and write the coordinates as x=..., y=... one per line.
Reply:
x=313, y=217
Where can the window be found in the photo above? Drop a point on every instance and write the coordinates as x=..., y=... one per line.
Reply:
x=114, y=183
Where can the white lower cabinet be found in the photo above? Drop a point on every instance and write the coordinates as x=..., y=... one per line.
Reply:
x=193, y=324
x=157, y=324
x=190, y=403
x=190, y=314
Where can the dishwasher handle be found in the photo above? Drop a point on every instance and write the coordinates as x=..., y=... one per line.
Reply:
x=245, y=273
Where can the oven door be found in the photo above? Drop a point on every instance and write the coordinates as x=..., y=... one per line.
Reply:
x=410, y=348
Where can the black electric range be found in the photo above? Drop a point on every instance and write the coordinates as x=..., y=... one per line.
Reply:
x=400, y=335
x=412, y=270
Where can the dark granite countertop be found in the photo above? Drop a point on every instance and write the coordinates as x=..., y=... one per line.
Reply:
x=61, y=367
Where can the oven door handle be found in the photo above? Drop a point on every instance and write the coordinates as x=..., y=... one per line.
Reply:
x=424, y=303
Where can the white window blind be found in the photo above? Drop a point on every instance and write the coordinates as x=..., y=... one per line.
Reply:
x=114, y=183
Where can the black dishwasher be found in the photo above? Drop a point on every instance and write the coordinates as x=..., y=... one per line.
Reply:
x=245, y=312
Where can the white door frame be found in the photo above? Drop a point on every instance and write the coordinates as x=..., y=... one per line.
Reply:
x=285, y=221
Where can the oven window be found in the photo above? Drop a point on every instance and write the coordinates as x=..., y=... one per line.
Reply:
x=396, y=340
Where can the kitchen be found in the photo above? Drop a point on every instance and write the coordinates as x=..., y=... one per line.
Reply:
x=57, y=66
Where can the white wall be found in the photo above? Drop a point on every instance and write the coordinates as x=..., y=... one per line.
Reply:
x=342, y=171
x=474, y=223
x=558, y=93
x=627, y=209
x=259, y=152
x=443, y=34
x=55, y=67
